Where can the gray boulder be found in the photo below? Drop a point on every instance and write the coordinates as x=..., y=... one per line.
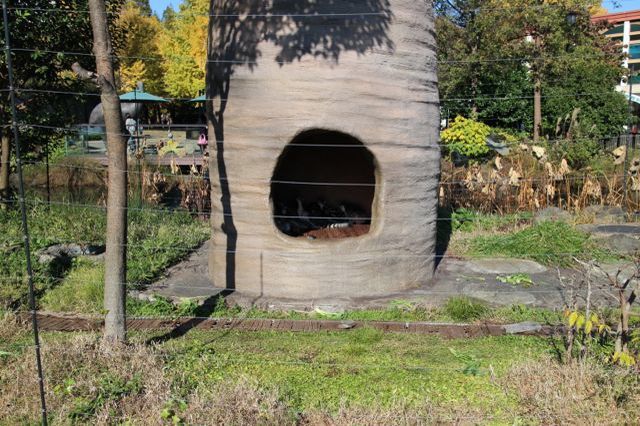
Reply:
x=62, y=254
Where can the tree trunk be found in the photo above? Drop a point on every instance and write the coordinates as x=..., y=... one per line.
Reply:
x=537, y=109
x=537, y=93
x=5, y=148
x=115, y=257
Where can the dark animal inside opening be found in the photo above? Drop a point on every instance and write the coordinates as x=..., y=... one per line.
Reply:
x=323, y=186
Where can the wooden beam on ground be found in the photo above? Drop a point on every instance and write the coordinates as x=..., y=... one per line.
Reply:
x=64, y=322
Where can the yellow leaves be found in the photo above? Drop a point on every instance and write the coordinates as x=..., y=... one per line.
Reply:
x=623, y=358
x=588, y=327
x=138, y=52
x=183, y=46
x=573, y=317
x=598, y=11
x=582, y=323
x=130, y=75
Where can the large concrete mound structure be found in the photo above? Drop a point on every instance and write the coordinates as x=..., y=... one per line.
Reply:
x=326, y=162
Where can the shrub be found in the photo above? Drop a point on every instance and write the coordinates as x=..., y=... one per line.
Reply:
x=467, y=137
x=579, y=152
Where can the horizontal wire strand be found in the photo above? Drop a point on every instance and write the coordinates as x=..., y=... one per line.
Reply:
x=480, y=98
x=241, y=62
x=364, y=13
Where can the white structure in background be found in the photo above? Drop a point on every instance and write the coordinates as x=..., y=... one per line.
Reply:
x=626, y=31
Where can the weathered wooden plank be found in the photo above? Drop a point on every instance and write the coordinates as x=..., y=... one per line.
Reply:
x=62, y=322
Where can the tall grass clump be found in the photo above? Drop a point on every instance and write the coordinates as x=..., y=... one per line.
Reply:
x=465, y=309
x=550, y=243
x=157, y=239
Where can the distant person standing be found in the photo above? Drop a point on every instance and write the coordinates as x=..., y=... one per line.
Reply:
x=131, y=126
x=202, y=141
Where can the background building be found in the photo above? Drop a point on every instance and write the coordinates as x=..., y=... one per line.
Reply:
x=626, y=31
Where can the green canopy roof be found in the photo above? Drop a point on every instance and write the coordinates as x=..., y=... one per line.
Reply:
x=634, y=80
x=201, y=98
x=633, y=98
x=141, y=96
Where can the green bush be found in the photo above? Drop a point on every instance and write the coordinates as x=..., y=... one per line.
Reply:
x=579, y=152
x=466, y=137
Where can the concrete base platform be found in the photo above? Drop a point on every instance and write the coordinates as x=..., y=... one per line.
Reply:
x=477, y=278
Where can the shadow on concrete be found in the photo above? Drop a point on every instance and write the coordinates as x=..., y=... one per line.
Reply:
x=444, y=230
x=201, y=314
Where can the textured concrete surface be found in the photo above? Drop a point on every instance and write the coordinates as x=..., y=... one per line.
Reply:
x=473, y=278
x=620, y=238
x=188, y=279
x=369, y=71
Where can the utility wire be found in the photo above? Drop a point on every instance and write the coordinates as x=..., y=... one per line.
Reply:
x=79, y=129
x=298, y=15
x=499, y=98
x=148, y=285
x=242, y=62
x=473, y=179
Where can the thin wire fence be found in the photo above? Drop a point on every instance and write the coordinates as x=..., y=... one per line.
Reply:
x=491, y=193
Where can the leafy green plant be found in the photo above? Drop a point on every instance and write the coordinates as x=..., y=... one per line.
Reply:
x=580, y=152
x=464, y=219
x=470, y=361
x=327, y=315
x=109, y=388
x=404, y=305
x=468, y=220
x=590, y=332
x=466, y=137
x=172, y=409
x=520, y=279
x=171, y=147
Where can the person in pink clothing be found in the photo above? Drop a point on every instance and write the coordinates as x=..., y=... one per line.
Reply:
x=202, y=142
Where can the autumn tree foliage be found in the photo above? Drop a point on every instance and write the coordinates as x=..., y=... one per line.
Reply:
x=138, y=51
x=168, y=55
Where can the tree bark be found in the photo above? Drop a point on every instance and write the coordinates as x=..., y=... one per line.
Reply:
x=537, y=108
x=5, y=149
x=537, y=94
x=115, y=257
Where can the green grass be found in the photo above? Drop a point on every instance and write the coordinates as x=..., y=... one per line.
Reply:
x=465, y=309
x=81, y=291
x=360, y=376
x=455, y=310
x=156, y=240
x=550, y=243
x=466, y=220
x=325, y=370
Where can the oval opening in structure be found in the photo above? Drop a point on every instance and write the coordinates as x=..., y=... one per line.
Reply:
x=323, y=186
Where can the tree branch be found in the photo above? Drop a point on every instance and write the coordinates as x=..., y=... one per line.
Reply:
x=84, y=74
